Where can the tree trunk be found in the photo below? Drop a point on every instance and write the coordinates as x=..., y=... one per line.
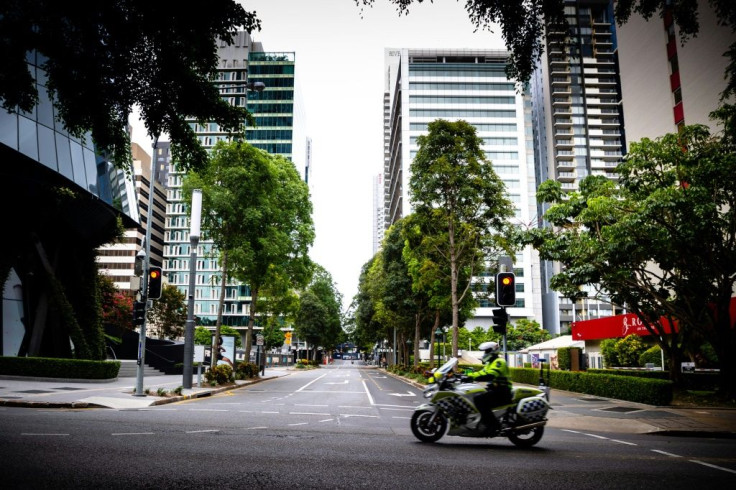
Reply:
x=453, y=287
x=216, y=344
x=416, y=340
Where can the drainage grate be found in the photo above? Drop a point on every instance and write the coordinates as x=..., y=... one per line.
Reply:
x=620, y=409
x=68, y=388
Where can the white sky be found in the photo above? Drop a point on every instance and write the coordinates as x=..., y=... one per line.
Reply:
x=339, y=67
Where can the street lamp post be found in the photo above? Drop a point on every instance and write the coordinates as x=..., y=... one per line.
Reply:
x=194, y=234
x=437, y=334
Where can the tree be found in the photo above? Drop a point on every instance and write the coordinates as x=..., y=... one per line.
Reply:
x=104, y=59
x=461, y=205
x=524, y=333
x=257, y=212
x=169, y=313
x=661, y=243
x=117, y=307
x=318, y=320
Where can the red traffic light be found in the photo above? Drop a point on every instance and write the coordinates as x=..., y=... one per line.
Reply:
x=505, y=289
x=154, y=283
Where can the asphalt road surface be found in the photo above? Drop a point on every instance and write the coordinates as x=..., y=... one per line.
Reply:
x=335, y=427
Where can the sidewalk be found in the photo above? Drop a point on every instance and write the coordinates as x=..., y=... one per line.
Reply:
x=18, y=391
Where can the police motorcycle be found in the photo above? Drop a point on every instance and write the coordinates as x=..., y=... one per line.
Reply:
x=451, y=404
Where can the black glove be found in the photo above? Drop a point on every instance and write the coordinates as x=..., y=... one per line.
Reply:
x=466, y=379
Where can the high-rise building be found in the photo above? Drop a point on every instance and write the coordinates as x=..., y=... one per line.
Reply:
x=279, y=130
x=578, y=124
x=665, y=83
x=423, y=85
x=117, y=260
x=379, y=215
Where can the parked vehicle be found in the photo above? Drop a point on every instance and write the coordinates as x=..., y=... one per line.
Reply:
x=452, y=410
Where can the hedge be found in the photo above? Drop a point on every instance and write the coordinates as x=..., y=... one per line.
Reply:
x=631, y=388
x=44, y=367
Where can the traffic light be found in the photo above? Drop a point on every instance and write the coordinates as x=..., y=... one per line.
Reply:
x=505, y=289
x=500, y=320
x=154, y=283
x=139, y=312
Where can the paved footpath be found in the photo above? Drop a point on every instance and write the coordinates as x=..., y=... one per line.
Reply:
x=573, y=411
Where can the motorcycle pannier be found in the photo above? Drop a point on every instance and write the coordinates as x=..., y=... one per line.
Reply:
x=532, y=409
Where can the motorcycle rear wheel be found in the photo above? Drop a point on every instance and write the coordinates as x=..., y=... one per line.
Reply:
x=527, y=438
x=426, y=431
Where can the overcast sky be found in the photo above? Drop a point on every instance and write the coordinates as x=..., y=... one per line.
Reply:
x=339, y=67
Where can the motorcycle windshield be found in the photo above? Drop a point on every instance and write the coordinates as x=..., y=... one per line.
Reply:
x=448, y=366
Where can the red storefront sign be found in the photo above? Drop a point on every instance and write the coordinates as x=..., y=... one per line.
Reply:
x=613, y=327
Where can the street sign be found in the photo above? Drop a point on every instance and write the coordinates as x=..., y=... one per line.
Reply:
x=259, y=339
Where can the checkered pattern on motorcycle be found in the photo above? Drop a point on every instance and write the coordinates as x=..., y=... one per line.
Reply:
x=533, y=409
x=456, y=407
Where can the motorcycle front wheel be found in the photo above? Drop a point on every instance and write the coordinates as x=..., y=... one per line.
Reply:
x=427, y=431
x=527, y=438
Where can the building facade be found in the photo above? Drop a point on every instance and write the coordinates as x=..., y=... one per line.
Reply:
x=61, y=202
x=279, y=130
x=578, y=126
x=453, y=84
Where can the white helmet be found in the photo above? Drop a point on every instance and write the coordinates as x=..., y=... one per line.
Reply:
x=489, y=350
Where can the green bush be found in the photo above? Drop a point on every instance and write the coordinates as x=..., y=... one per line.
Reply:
x=46, y=367
x=632, y=388
x=246, y=370
x=652, y=355
x=222, y=374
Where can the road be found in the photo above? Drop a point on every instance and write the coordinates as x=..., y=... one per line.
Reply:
x=335, y=427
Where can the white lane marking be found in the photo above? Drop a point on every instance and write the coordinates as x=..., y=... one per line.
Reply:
x=573, y=431
x=201, y=431
x=596, y=436
x=370, y=398
x=300, y=423
x=405, y=409
x=308, y=405
x=254, y=428
x=346, y=415
x=308, y=413
x=402, y=418
x=666, y=453
x=624, y=442
x=41, y=434
x=713, y=466
x=313, y=381
x=208, y=410
x=327, y=420
x=132, y=434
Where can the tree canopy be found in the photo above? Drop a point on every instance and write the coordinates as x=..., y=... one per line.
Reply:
x=103, y=59
x=661, y=242
x=461, y=205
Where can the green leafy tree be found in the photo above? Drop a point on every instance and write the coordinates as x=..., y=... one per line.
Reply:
x=318, y=319
x=661, y=243
x=256, y=210
x=629, y=350
x=169, y=313
x=105, y=59
x=524, y=333
x=366, y=326
x=461, y=204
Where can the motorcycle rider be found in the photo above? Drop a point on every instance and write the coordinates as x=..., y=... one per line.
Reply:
x=498, y=391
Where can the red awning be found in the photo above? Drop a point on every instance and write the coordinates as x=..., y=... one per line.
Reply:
x=613, y=327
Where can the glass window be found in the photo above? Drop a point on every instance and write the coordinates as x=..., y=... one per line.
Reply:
x=80, y=176
x=47, y=147
x=63, y=153
x=27, y=143
x=9, y=129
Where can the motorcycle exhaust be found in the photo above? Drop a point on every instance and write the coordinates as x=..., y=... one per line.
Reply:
x=528, y=426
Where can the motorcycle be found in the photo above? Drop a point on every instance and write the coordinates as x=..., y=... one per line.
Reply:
x=452, y=405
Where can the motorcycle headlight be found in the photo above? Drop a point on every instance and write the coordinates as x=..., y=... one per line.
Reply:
x=430, y=391
x=431, y=379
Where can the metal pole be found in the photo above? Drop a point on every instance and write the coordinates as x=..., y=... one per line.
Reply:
x=146, y=268
x=194, y=230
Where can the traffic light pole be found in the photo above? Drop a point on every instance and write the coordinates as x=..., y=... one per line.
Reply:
x=146, y=268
